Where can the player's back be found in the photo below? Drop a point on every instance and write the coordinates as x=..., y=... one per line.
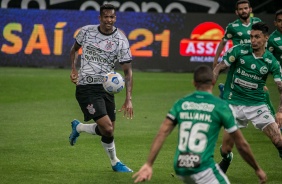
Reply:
x=200, y=117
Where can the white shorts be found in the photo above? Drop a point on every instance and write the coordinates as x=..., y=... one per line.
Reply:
x=211, y=176
x=260, y=116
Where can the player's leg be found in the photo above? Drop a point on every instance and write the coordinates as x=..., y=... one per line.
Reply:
x=105, y=124
x=226, y=151
x=274, y=134
x=85, y=99
x=265, y=121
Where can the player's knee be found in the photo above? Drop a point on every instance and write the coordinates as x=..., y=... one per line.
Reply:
x=108, y=131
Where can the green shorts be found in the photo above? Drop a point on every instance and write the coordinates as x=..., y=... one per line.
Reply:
x=95, y=102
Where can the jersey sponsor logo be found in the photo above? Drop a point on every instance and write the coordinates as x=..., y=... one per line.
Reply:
x=245, y=41
x=244, y=51
x=244, y=73
x=240, y=33
x=277, y=39
x=197, y=106
x=235, y=25
x=263, y=70
x=89, y=79
x=91, y=109
x=188, y=160
x=268, y=60
x=245, y=84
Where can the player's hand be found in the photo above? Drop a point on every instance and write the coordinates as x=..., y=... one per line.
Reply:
x=262, y=176
x=144, y=174
x=127, y=109
x=74, y=76
x=278, y=119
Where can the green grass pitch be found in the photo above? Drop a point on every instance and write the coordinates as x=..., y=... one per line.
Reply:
x=37, y=106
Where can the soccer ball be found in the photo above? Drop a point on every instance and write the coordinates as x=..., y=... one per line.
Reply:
x=113, y=82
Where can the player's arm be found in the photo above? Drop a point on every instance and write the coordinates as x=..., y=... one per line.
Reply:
x=246, y=153
x=220, y=67
x=279, y=112
x=146, y=171
x=128, y=79
x=218, y=52
x=74, y=57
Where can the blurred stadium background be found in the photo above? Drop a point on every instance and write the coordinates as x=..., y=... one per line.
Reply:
x=164, y=35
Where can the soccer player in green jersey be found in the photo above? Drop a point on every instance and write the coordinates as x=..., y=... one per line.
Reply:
x=199, y=118
x=239, y=30
x=274, y=43
x=249, y=66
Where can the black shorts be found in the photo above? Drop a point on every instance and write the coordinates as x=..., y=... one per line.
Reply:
x=95, y=102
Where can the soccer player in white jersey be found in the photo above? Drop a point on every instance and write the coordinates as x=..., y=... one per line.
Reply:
x=102, y=46
x=199, y=117
x=249, y=66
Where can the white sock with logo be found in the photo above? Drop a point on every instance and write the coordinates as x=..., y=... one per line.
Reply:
x=111, y=152
x=88, y=128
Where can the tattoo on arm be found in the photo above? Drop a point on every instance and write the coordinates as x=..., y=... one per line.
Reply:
x=219, y=67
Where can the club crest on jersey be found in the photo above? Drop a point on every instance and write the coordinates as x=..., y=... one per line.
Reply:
x=109, y=45
x=253, y=66
x=263, y=70
x=242, y=61
x=91, y=109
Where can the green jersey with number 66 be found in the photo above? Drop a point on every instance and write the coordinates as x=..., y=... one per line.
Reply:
x=247, y=75
x=199, y=117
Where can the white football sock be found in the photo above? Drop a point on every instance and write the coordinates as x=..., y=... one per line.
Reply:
x=111, y=152
x=88, y=128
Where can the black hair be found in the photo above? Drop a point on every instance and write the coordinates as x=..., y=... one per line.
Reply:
x=242, y=2
x=279, y=12
x=107, y=7
x=261, y=26
x=203, y=74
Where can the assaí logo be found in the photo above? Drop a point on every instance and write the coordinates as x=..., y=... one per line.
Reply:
x=203, y=42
